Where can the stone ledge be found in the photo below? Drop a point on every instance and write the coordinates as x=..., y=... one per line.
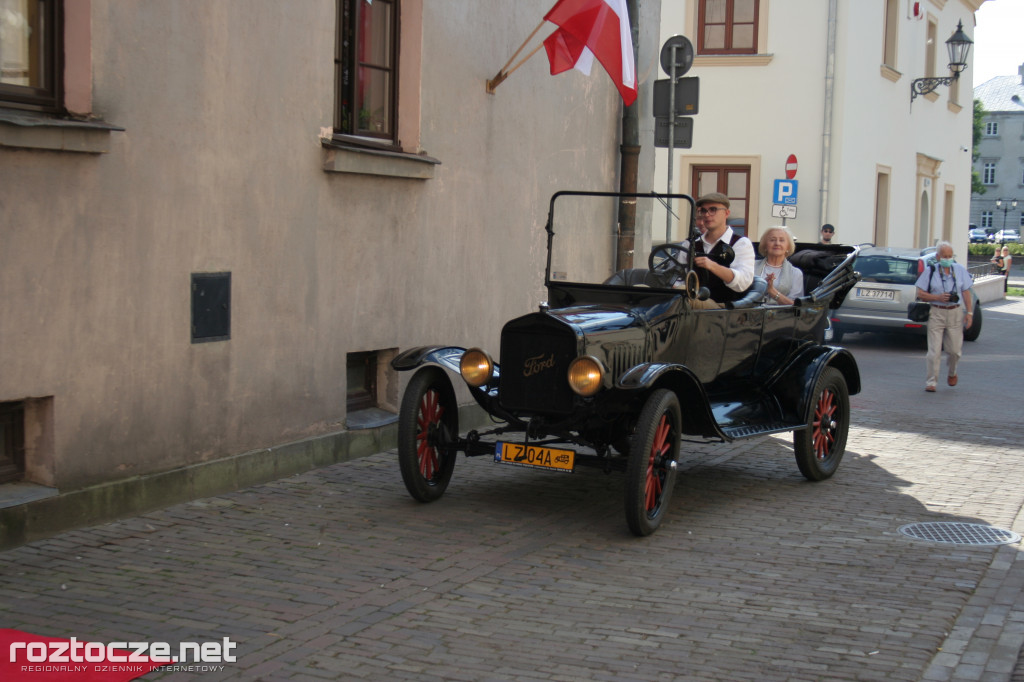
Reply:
x=989, y=288
x=28, y=130
x=341, y=159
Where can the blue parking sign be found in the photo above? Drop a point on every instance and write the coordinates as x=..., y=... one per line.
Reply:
x=785, y=192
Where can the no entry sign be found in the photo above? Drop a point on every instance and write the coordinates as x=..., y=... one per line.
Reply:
x=791, y=167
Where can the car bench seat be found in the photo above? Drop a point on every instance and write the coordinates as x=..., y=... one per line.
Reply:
x=752, y=296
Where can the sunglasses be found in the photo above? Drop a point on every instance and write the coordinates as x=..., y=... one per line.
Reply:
x=709, y=211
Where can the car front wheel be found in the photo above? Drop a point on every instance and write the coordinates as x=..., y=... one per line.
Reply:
x=819, y=447
x=428, y=425
x=651, y=471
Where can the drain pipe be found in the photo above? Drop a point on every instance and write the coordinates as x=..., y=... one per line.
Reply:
x=629, y=159
x=826, y=134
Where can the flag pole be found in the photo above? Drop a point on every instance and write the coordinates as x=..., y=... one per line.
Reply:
x=502, y=73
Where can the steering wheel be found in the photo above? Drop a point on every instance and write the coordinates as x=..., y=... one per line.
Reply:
x=667, y=263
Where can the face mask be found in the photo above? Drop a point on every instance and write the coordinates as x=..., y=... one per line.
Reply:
x=946, y=262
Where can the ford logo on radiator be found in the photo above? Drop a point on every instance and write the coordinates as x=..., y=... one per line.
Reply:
x=538, y=364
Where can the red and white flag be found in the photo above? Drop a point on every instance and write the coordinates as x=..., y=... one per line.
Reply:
x=593, y=28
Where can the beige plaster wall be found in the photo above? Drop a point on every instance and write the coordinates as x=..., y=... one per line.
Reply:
x=220, y=169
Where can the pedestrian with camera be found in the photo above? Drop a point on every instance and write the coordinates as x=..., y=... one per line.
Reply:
x=945, y=285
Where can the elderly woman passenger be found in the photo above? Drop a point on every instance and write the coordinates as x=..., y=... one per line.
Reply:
x=785, y=281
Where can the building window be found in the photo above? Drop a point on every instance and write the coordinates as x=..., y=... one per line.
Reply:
x=361, y=372
x=366, y=67
x=992, y=128
x=892, y=24
x=881, y=229
x=733, y=182
x=929, y=48
x=986, y=219
x=12, y=441
x=988, y=173
x=727, y=27
x=31, y=48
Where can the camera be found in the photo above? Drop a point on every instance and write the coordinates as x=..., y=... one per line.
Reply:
x=954, y=297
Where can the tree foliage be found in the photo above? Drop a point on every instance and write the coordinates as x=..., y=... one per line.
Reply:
x=979, y=124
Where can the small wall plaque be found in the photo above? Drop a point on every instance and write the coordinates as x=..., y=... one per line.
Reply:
x=211, y=306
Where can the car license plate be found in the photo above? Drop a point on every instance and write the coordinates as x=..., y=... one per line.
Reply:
x=535, y=456
x=877, y=294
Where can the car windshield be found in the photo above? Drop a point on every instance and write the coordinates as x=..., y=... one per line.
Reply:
x=886, y=269
x=586, y=229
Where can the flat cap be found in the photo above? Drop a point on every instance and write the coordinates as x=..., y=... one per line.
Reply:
x=714, y=198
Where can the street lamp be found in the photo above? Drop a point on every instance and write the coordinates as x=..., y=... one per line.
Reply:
x=959, y=45
x=1006, y=209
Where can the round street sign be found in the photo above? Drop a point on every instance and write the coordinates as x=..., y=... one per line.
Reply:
x=684, y=55
x=791, y=167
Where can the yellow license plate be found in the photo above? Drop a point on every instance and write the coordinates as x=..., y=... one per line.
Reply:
x=535, y=456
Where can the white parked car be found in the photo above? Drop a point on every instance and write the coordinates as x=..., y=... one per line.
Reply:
x=1010, y=234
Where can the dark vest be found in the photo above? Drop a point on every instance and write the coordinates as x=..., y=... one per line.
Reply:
x=719, y=291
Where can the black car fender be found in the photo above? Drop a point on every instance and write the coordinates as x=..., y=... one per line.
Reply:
x=795, y=385
x=444, y=356
x=448, y=357
x=697, y=417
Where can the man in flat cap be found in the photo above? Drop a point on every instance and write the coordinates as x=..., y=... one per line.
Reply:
x=724, y=260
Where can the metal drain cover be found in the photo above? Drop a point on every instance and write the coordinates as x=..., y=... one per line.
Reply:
x=960, y=533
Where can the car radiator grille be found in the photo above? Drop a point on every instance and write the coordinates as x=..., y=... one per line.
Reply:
x=534, y=369
x=623, y=357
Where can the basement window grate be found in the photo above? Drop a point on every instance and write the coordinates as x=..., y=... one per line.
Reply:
x=960, y=533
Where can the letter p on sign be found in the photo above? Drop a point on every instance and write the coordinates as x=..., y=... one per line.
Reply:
x=785, y=192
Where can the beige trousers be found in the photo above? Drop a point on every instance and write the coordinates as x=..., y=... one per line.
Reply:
x=945, y=332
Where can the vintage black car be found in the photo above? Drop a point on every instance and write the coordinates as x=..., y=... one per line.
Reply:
x=618, y=366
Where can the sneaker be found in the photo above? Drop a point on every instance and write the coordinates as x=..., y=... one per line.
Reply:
x=930, y=389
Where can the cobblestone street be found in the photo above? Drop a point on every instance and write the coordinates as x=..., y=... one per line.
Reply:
x=756, y=574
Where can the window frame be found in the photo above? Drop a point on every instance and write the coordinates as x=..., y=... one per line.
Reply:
x=50, y=97
x=991, y=128
x=986, y=219
x=890, y=39
x=12, y=441
x=722, y=185
x=346, y=127
x=988, y=173
x=730, y=25
x=364, y=396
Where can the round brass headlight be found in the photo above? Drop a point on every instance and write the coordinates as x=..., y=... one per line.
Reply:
x=476, y=367
x=585, y=374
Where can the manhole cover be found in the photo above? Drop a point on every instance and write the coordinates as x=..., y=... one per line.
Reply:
x=960, y=533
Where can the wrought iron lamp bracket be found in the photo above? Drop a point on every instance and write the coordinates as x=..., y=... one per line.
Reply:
x=922, y=86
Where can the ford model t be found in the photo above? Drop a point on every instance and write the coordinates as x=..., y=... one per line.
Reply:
x=616, y=367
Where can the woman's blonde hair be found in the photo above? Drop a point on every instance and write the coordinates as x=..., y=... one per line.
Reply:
x=762, y=247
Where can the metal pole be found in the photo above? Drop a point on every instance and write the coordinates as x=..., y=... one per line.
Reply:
x=671, y=144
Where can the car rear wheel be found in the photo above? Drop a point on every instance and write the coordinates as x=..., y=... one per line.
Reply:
x=819, y=447
x=651, y=471
x=428, y=425
x=974, y=331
